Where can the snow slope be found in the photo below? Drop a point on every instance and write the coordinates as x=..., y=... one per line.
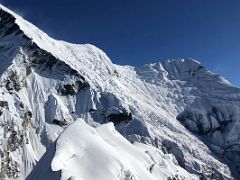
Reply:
x=172, y=108
x=103, y=153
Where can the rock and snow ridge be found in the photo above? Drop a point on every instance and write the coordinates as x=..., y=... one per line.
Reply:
x=182, y=120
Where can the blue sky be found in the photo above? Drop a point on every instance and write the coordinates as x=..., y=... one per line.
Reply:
x=137, y=32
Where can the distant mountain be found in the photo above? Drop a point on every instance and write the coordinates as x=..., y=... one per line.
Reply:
x=68, y=112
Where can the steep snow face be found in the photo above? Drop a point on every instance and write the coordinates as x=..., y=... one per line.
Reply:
x=176, y=106
x=37, y=99
x=211, y=105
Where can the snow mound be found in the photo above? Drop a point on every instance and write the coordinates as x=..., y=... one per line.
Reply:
x=83, y=152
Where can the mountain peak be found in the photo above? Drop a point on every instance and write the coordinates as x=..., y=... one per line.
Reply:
x=184, y=61
x=183, y=69
x=174, y=69
x=21, y=33
x=16, y=24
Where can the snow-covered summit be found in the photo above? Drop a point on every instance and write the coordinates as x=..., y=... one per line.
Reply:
x=186, y=116
x=177, y=69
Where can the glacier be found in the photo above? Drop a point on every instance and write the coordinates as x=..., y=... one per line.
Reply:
x=68, y=112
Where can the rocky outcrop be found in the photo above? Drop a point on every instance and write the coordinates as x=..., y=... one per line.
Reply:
x=120, y=117
x=7, y=25
x=213, y=125
x=205, y=122
x=173, y=148
x=4, y=104
x=13, y=82
x=72, y=89
x=60, y=122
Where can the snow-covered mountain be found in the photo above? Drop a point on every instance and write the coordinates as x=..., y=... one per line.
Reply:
x=60, y=104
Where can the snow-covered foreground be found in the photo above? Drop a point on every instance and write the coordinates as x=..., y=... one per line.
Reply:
x=181, y=119
x=85, y=153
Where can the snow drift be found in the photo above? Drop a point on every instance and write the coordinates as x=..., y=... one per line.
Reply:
x=103, y=153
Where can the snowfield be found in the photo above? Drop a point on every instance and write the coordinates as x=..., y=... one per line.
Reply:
x=68, y=112
x=102, y=153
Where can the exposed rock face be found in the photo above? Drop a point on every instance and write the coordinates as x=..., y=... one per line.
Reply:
x=4, y=104
x=175, y=150
x=73, y=89
x=9, y=168
x=205, y=123
x=213, y=125
x=120, y=117
x=7, y=26
x=60, y=122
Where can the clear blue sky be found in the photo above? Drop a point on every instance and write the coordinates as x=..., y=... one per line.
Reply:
x=137, y=32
